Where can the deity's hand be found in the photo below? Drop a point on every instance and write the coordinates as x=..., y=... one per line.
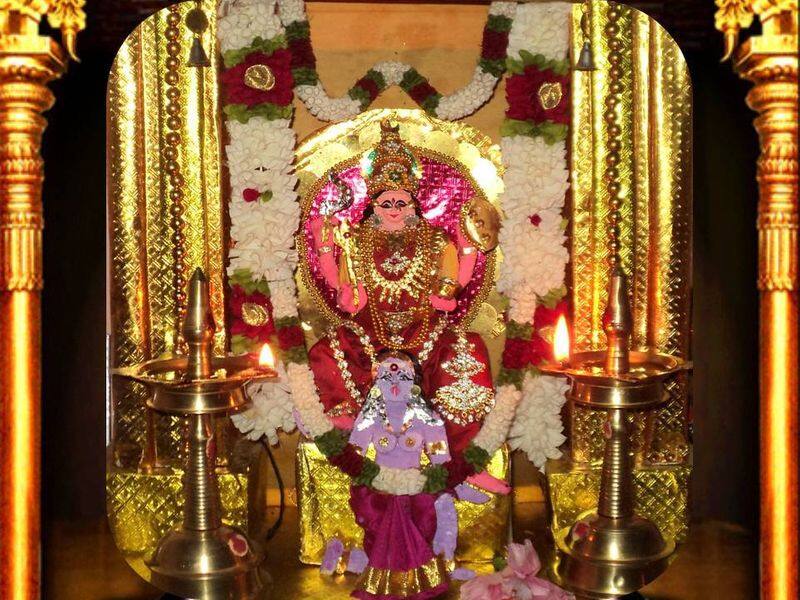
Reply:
x=489, y=482
x=470, y=494
x=443, y=304
x=344, y=422
x=317, y=225
x=346, y=301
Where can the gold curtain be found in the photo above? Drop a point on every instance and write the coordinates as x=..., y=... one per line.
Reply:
x=653, y=92
x=164, y=150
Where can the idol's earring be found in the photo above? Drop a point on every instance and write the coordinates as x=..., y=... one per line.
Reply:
x=416, y=391
x=375, y=220
x=411, y=220
x=374, y=392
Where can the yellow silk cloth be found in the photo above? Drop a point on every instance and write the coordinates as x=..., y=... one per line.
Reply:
x=323, y=494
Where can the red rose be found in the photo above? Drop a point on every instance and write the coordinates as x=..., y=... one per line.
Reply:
x=548, y=317
x=421, y=92
x=516, y=354
x=290, y=337
x=251, y=195
x=494, y=44
x=302, y=54
x=369, y=85
x=458, y=469
x=237, y=92
x=522, y=93
x=238, y=297
x=349, y=461
x=540, y=350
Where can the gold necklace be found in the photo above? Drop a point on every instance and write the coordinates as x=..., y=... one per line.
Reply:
x=416, y=277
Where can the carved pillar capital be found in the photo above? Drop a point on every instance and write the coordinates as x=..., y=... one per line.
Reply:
x=773, y=70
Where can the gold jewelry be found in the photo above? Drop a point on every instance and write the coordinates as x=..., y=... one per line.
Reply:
x=463, y=401
x=416, y=276
x=448, y=288
x=324, y=249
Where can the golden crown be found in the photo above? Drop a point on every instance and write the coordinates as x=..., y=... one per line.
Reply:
x=391, y=165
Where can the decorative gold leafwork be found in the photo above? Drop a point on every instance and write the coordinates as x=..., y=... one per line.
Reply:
x=254, y=315
x=550, y=95
x=259, y=77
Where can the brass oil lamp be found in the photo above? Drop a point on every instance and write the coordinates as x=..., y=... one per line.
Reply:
x=202, y=558
x=614, y=552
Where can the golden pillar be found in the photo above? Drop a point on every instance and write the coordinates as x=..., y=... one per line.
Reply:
x=770, y=61
x=28, y=62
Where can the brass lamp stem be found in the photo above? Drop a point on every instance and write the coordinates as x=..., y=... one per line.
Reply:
x=202, y=506
x=616, y=484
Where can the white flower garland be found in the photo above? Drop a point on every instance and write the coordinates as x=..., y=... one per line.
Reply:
x=536, y=182
x=457, y=105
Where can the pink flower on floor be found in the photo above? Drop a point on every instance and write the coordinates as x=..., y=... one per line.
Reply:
x=523, y=560
x=485, y=587
x=518, y=581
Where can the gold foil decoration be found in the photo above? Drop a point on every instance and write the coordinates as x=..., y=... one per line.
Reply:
x=652, y=93
x=323, y=494
x=254, y=314
x=550, y=95
x=481, y=222
x=259, y=77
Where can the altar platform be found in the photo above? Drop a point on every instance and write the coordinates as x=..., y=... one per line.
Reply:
x=81, y=563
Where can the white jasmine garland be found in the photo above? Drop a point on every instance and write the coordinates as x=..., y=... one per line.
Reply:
x=271, y=409
x=238, y=19
x=533, y=236
x=399, y=482
x=537, y=29
x=537, y=428
x=497, y=423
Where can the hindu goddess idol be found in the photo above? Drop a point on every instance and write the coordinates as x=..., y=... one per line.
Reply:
x=397, y=278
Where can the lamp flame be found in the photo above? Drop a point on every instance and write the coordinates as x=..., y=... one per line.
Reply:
x=561, y=340
x=266, y=358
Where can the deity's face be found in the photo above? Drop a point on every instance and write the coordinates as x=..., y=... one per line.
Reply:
x=394, y=379
x=393, y=207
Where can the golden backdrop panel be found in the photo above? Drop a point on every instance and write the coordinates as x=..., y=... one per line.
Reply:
x=652, y=94
x=661, y=494
x=165, y=210
x=323, y=495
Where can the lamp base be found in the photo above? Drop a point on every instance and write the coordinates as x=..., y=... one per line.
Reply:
x=612, y=557
x=218, y=564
